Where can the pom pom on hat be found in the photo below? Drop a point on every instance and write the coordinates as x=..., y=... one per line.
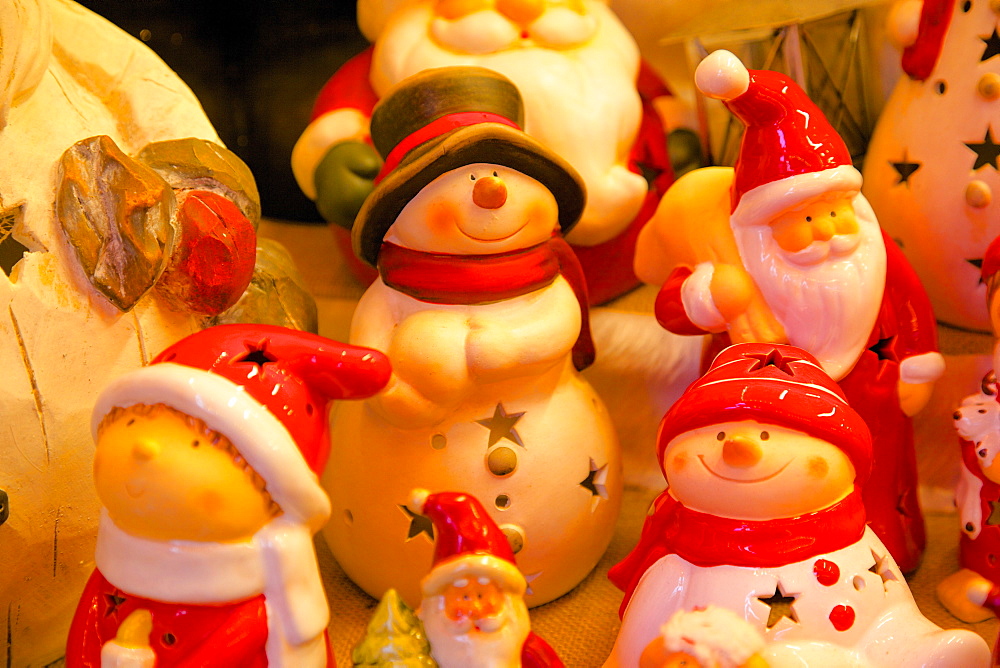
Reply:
x=418, y=498
x=722, y=76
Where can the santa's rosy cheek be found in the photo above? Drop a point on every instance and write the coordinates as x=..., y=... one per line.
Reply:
x=817, y=467
x=442, y=218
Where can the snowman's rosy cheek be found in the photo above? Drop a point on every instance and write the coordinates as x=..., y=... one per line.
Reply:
x=442, y=217
x=678, y=462
x=817, y=467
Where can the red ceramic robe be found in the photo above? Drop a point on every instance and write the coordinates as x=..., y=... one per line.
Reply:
x=905, y=328
x=183, y=635
x=607, y=266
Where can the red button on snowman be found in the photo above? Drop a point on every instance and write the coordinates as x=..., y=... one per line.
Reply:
x=479, y=309
x=762, y=515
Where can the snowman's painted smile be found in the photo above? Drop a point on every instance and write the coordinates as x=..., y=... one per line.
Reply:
x=701, y=458
x=493, y=239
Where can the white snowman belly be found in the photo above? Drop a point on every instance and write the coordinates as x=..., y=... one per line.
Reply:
x=539, y=452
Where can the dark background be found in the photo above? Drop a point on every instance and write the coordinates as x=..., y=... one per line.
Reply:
x=256, y=66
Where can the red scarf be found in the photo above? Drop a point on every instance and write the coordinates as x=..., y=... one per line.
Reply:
x=440, y=278
x=709, y=540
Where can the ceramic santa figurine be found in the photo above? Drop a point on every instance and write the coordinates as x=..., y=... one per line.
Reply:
x=481, y=310
x=985, y=595
x=931, y=167
x=765, y=462
x=709, y=637
x=472, y=601
x=206, y=468
x=588, y=98
x=784, y=248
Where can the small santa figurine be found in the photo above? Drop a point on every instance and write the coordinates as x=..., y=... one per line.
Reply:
x=765, y=462
x=709, y=637
x=472, y=604
x=784, y=248
x=481, y=307
x=206, y=466
x=588, y=99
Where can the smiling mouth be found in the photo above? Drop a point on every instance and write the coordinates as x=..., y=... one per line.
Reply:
x=494, y=240
x=701, y=458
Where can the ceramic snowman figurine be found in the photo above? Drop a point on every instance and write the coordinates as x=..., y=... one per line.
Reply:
x=783, y=248
x=477, y=310
x=206, y=466
x=589, y=98
x=762, y=515
x=931, y=170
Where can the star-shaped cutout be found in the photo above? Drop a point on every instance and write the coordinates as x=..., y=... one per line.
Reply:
x=596, y=479
x=114, y=602
x=986, y=151
x=885, y=349
x=256, y=354
x=419, y=524
x=780, y=605
x=905, y=169
x=977, y=262
x=530, y=577
x=881, y=568
x=501, y=425
x=772, y=358
x=992, y=46
x=994, y=518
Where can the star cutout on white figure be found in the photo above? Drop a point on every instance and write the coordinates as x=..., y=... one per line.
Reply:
x=501, y=425
x=881, y=569
x=595, y=482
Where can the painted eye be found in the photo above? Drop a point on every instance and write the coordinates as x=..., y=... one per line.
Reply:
x=940, y=87
x=982, y=453
x=721, y=436
x=130, y=422
x=809, y=219
x=195, y=444
x=966, y=6
x=472, y=177
x=764, y=436
x=495, y=174
x=833, y=214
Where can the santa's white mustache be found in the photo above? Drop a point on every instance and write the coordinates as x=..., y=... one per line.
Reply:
x=817, y=251
x=490, y=624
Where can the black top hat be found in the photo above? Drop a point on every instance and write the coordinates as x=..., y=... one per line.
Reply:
x=442, y=119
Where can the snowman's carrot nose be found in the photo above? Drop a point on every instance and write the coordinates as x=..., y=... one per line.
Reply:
x=741, y=452
x=490, y=192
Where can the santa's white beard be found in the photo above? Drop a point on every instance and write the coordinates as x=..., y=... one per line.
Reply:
x=580, y=102
x=494, y=642
x=827, y=308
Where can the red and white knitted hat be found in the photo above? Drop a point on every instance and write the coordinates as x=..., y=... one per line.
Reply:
x=790, y=152
x=773, y=384
x=265, y=388
x=467, y=543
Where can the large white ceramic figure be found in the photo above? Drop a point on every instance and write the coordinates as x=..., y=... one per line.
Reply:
x=931, y=170
x=482, y=327
x=67, y=77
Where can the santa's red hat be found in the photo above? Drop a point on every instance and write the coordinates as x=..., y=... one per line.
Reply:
x=468, y=544
x=776, y=385
x=790, y=152
x=991, y=260
x=265, y=388
x=920, y=57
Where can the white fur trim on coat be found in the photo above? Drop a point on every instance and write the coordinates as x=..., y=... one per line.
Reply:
x=760, y=205
x=696, y=297
x=925, y=368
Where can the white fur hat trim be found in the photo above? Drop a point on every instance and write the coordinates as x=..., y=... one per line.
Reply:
x=760, y=205
x=227, y=408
